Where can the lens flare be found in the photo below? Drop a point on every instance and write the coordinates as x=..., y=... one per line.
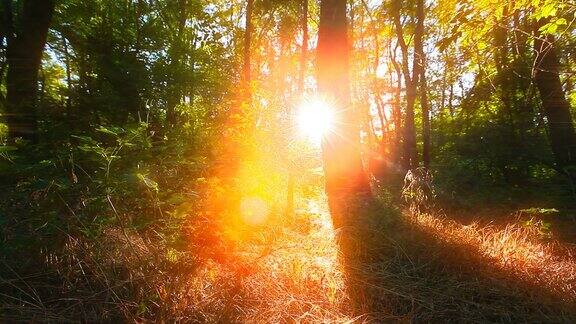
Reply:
x=315, y=119
x=253, y=210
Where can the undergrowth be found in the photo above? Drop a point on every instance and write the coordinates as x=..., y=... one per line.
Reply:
x=384, y=265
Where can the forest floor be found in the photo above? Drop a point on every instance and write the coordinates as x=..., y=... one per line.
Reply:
x=388, y=265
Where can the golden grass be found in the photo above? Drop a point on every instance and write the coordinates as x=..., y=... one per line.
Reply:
x=292, y=276
x=383, y=267
x=515, y=249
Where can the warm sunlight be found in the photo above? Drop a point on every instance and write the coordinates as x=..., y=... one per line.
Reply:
x=262, y=161
x=253, y=210
x=315, y=118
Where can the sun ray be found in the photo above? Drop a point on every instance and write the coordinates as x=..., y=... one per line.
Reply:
x=315, y=118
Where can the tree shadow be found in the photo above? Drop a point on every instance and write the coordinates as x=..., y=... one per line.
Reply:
x=398, y=270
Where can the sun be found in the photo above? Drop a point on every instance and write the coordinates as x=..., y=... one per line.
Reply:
x=315, y=119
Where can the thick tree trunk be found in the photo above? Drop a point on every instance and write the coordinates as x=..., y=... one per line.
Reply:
x=24, y=56
x=345, y=176
x=556, y=107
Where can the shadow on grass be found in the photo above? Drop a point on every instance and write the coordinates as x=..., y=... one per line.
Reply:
x=423, y=268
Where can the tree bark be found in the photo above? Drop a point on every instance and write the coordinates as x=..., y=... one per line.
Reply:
x=247, y=44
x=396, y=110
x=421, y=68
x=301, y=75
x=175, y=91
x=450, y=100
x=506, y=88
x=25, y=46
x=344, y=172
x=304, y=49
x=381, y=115
x=410, y=159
x=556, y=108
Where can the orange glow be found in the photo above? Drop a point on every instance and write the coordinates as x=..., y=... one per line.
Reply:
x=315, y=119
x=253, y=210
x=514, y=249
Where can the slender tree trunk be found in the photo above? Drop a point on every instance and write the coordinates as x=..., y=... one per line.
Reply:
x=556, y=108
x=381, y=114
x=67, y=62
x=72, y=115
x=345, y=176
x=502, y=63
x=421, y=63
x=175, y=88
x=410, y=159
x=426, y=145
x=450, y=100
x=304, y=50
x=138, y=15
x=301, y=78
x=505, y=90
x=24, y=56
x=521, y=65
x=373, y=138
x=397, y=111
x=443, y=95
x=247, y=45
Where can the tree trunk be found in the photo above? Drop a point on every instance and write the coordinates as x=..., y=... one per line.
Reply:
x=301, y=76
x=556, y=107
x=304, y=50
x=381, y=114
x=450, y=100
x=175, y=91
x=506, y=90
x=421, y=68
x=247, y=45
x=410, y=159
x=67, y=62
x=344, y=172
x=396, y=110
x=24, y=56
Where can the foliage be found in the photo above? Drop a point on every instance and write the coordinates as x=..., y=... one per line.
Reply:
x=132, y=205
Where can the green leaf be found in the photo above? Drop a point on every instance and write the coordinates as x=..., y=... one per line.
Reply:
x=110, y=130
x=561, y=22
x=176, y=199
x=7, y=148
x=549, y=28
x=147, y=181
x=546, y=11
x=540, y=211
x=83, y=138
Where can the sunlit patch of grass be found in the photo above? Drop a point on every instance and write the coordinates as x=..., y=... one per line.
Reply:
x=294, y=276
x=421, y=267
x=279, y=273
x=515, y=249
x=382, y=266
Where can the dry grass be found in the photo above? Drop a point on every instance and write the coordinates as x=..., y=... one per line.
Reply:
x=429, y=268
x=517, y=250
x=290, y=274
x=384, y=266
